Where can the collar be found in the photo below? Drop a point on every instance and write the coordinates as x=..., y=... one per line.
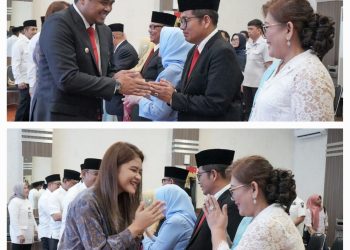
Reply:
x=156, y=46
x=87, y=25
x=204, y=42
x=261, y=39
x=221, y=191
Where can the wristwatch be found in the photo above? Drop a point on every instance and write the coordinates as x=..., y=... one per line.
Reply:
x=117, y=87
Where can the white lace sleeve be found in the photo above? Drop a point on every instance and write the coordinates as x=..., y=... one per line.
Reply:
x=312, y=93
x=223, y=246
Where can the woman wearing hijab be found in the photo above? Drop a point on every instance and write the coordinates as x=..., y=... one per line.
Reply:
x=173, y=50
x=316, y=218
x=180, y=218
x=22, y=222
x=238, y=42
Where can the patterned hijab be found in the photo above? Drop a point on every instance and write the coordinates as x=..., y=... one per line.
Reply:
x=315, y=210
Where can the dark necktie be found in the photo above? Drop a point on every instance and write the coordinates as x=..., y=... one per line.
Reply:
x=148, y=58
x=91, y=32
x=194, y=61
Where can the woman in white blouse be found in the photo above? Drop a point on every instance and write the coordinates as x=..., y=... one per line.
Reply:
x=261, y=192
x=22, y=222
x=300, y=88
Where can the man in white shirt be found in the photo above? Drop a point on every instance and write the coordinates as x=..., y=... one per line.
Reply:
x=70, y=178
x=53, y=183
x=34, y=196
x=213, y=180
x=10, y=42
x=297, y=214
x=89, y=174
x=258, y=60
x=19, y=69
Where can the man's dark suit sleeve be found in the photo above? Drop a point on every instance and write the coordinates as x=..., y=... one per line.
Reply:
x=125, y=59
x=217, y=84
x=60, y=50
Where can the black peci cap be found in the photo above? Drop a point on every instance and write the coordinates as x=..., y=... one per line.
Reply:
x=91, y=163
x=198, y=4
x=115, y=27
x=29, y=23
x=163, y=18
x=71, y=174
x=175, y=172
x=53, y=177
x=214, y=156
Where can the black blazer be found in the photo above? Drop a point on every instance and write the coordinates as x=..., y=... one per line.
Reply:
x=70, y=86
x=153, y=68
x=124, y=57
x=202, y=239
x=212, y=91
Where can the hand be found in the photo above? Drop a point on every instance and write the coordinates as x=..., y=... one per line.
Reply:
x=21, y=239
x=144, y=217
x=130, y=73
x=216, y=218
x=130, y=85
x=163, y=90
x=22, y=85
x=130, y=100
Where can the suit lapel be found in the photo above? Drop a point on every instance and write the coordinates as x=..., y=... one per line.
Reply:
x=195, y=231
x=200, y=60
x=85, y=36
x=104, y=49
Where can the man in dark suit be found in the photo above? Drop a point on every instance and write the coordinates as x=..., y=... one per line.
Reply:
x=153, y=64
x=124, y=58
x=211, y=79
x=212, y=178
x=75, y=68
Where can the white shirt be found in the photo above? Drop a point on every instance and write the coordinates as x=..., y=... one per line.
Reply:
x=44, y=215
x=70, y=196
x=10, y=42
x=257, y=55
x=33, y=197
x=323, y=221
x=55, y=207
x=271, y=229
x=20, y=60
x=32, y=67
x=297, y=209
x=202, y=44
x=302, y=91
x=221, y=191
x=22, y=220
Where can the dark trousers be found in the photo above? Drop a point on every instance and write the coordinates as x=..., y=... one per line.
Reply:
x=248, y=98
x=45, y=243
x=22, y=113
x=21, y=246
x=53, y=244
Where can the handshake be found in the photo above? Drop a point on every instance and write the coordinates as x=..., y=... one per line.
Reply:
x=132, y=83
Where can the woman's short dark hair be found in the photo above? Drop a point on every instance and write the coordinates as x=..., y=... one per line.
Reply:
x=315, y=31
x=278, y=185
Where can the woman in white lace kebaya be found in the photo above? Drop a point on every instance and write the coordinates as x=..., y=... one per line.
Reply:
x=261, y=192
x=300, y=88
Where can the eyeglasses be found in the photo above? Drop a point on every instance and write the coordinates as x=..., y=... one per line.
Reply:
x=266, y=26
x=185, y=20
x=232, y=189
x=154, y=26
x=165, y=180
x=199, y=174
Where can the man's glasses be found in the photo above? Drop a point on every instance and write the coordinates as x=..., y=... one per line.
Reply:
x=154, y=26
x=199, y=174
x=185, y=20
